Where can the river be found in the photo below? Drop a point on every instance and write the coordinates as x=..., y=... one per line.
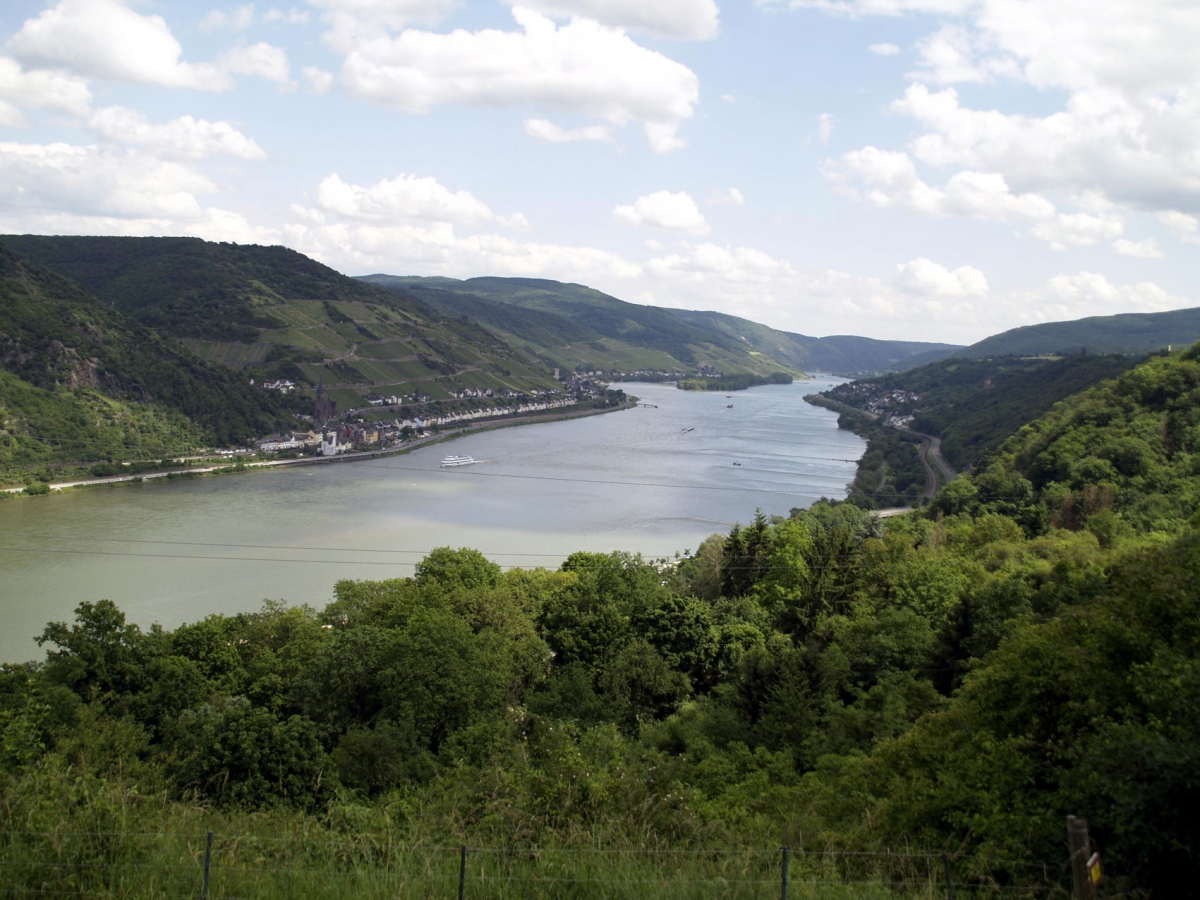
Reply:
x=651, y=480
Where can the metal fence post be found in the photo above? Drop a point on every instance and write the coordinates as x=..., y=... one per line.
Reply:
x=1077, y=841
x=783, y=882
x=949, y=878
x=207, y=864
x=462, y=871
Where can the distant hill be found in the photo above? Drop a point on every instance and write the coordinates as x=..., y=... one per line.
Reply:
x=840, y=354
x=276, y=313
x=82, y=381
x=974, y=405
x=1125, y=333
x=571, y=325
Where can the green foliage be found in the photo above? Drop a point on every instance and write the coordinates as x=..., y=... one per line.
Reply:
x=958, y=681
x=732, y=382
x=1125, y=333
x=278, y=314
x=557, y=321
x=81, y=381
x=973, y=405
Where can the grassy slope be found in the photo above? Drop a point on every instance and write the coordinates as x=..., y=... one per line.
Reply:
x=1126, y=333
x=83, y=381
x=229, y=300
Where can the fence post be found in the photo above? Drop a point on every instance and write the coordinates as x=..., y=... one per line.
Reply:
x=207, y=864
x=462, y=871
x=949, y=877
x=783, y=883
x=1077, y=841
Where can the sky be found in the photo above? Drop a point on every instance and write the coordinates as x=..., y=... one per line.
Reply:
x=934, y=170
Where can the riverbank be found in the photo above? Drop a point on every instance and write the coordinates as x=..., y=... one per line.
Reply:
x=240, y=466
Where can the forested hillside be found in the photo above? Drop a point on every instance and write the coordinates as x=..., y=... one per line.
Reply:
x=957, y=680
x=577, y=325
x=80, y=381
x=1125, y=333
x=271, y=312
x=973, y=405
x=839, y=354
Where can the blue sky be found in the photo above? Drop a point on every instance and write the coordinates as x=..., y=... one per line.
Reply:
x=920, y=169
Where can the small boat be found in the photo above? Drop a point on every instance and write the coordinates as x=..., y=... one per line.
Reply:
x=686, y=430
x=737, y=464
x=458, y=461
x=729, y=406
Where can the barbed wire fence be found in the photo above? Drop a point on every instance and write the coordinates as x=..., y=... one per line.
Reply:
x=240, y=866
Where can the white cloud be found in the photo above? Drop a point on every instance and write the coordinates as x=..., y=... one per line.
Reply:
x=182, y=138
x=225, y=225
x=354, y=21
x=547, y=132
x=1092, y=294
x=40, y=88
x=319, y=81
x=1147, y=249
x=730, y=197
x=924, y=276
x=884, y=49
x=408, y=197
x=436, y=249
x=1127, y=68
x=261, y=59
x=1077, y=230
x=1177, y=221
x=581, y=67
x=662, y=209
x=695, y=20
x=106, y=39
x=1101, y=142
x=290, y=16
x=824, y=127
x=238, y=18
x=892, y=181
x=57, y=180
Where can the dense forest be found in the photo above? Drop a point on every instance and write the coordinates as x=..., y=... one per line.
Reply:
x=575, y=325
x=955, y=680
x=188, y=287
x=975, y=404
x=732, y=382
x=81, y=381
x=1135, y=333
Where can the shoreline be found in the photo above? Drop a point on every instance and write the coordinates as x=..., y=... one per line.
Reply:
x=239, y=466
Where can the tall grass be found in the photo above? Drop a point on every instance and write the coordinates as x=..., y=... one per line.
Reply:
x=266, y=859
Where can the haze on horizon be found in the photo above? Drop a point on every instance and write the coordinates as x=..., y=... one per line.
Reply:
x=920, y=169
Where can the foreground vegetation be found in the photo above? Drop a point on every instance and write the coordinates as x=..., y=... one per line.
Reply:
x=956, y=681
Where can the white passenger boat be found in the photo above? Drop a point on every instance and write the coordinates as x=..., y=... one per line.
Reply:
x=458, y=461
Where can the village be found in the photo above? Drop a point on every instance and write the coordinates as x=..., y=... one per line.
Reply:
x=329, y=433
x=894, y=408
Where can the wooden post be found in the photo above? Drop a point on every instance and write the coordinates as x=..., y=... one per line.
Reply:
x=949, y=878
x=462, y=872
x=207, y=864
x=783, y=884
x=1077, y=842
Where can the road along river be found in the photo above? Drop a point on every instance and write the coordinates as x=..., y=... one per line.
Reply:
x=654, y=480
